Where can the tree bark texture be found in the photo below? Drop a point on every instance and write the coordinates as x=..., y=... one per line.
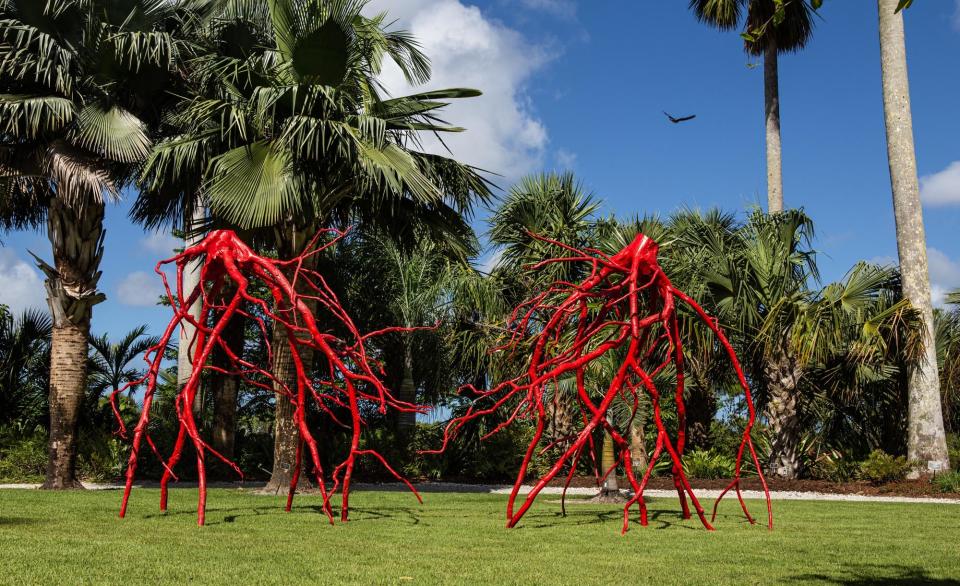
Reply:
x=76, y=235
x=191, y=278
x=782, y=377
x=771, y=99
x=926, y=437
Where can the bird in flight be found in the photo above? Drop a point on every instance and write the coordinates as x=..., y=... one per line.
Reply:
x=678, y=120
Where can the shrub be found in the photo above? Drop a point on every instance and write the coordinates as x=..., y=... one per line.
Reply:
x=23, y=455
x=948, y=481
x=953, y=449
x=834, y=467
x=880, y=467
x=708, y=464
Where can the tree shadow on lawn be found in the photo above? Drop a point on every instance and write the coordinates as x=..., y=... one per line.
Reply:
x=659, y=519
x=881, y=575
x=410, y=515
x=17, y=521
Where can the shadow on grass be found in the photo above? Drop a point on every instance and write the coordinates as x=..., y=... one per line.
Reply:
x=404, y=514
x=658, y=519
x=18, y=521
x=889, y=575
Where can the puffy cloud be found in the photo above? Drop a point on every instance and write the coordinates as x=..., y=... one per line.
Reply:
x=943, y=187
x=956, y=16
x=139, y=289
x=21, y=285
x=468, y=49
x=566, y=160
x=561, y=8
x=944, y=274
x=160, y=243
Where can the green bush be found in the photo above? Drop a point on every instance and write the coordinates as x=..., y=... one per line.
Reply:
x=834, y=467
x=948, y=482
x=23, y=455
x=880, y=467
x=953, y=449
x=708, y=464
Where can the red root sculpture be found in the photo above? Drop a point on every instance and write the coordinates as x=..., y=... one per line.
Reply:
x=626, y=305
x=350, y=375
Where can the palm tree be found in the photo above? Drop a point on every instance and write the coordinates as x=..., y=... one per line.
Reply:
x=556, y=206
x=75, y=78
x=275, y=138
x=948, y=359
x=24, y=367
x=110, y=367
x=764, y=292
x=926, y=438
x=415, y=286
x=771, y=27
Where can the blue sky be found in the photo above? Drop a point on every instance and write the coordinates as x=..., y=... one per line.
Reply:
x=581, y=86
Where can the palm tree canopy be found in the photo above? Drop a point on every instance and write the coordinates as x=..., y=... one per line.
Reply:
x=788, y=24
x=110, y=366
x=267, y=133
x=24, y=370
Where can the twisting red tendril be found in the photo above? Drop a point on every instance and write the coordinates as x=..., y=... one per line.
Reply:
x=350, y=376
x=627, y=306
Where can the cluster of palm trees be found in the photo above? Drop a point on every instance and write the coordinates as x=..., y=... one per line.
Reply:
x=772, y=27
x=267, y=117
x=263, y=116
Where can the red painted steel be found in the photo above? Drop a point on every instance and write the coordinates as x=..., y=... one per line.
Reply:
x=626, y=306
x=351, y=375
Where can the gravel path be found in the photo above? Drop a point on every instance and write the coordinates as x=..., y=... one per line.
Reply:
x=553, y=490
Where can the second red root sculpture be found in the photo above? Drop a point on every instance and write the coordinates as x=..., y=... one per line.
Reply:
x=348, y=377
x=625, y=307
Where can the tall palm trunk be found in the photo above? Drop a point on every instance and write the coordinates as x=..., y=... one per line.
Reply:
x=782, y=378
x=290, y=242
x=407, y=421
x=701, y=408
x=76, y=234
x=926, y=438
x=771, y=99
x=608, y=460
x=224, y=391
x=191, y=278
x=638, y=447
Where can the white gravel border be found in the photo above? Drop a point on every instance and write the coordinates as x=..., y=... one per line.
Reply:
x=779, y=495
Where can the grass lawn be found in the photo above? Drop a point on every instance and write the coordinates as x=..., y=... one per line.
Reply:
x=71, y=538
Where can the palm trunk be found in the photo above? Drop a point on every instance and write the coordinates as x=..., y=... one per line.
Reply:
x=290, y=242
x=77, y=239
x=771, y=98
x=701, y=409
x=608, y=460
x=782, y=377
x=926, y=438
x=286, y=436
x=407, y=421
x=638, y=447
x=224, y=391
x=191, y=278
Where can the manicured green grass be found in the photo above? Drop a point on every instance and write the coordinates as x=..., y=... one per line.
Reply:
x=70, y=538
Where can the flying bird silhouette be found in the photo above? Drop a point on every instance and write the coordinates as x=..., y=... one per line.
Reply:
x=678, y=120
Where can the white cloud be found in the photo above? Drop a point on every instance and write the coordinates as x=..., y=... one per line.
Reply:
x=566, y=160
x=944, y=274
x=956, y=16
x=140, y=289
x=467, y=49
x=943, y=187
x=161, y=243
x=21, y=285
x=561, y=8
